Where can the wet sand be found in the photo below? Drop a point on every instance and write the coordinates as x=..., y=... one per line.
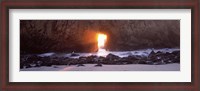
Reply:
x=91, y=67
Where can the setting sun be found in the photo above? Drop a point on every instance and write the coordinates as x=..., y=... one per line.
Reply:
x=101, y=40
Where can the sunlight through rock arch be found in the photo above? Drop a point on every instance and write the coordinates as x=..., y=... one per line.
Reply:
x=101, y=39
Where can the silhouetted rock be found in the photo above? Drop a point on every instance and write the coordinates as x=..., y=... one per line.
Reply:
x=54, y=66
x=152, y=53
x=98, y=65
x=158, y=52
x=74, y=54
x=101, y=58
x=159, y=63
x=80, y=65
x=148, y=62
x=111, y=57
x=176, y=52
x=91, y=59
x=125, y=60
x=27, y=66
x=142, y=62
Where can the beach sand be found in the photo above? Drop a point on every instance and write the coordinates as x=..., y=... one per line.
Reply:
x=91, y=67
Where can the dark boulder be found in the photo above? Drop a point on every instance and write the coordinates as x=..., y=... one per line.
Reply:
x=142, y=62
x=27, y=66
x=158, y=52
x=74, y=54
x=112, y=57
x=80, y=65
x=125, y=60
x=82, y=60
x=151, y=53
x=159, y=63
x=55, y=61
x=91, y=59
x=148, y=62
x=54, y=66
x=73, y=61
x=98, y=65
x=109, y=59
x=177, y=59
x=33, y=58
x=101, y=58
x=176, y=52
x=134, y=57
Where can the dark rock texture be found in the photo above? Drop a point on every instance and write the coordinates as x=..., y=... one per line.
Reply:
x=39, y=36
x=158, y=58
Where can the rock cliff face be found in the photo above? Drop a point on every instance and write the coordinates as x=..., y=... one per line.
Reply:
x=37, y=36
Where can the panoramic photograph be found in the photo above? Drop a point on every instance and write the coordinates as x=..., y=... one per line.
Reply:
x=100, y=45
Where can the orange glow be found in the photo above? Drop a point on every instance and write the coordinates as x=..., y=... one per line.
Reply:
x=101, y=40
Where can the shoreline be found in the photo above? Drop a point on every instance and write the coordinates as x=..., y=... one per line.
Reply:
x=105, y=67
